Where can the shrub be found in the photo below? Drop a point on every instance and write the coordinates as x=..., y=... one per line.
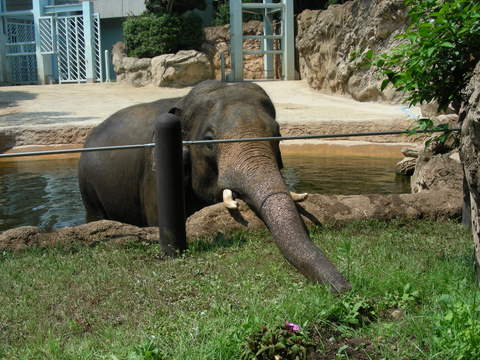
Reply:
x=222, y=14
x=439, y=52
x=457, y=332
x=174, y=6
x=150, y=35
x=280, y=342
x=192, y=35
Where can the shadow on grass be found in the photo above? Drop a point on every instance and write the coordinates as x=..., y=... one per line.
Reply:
x=219, y=241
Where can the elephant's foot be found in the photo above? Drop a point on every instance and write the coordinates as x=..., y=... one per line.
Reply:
x=298, y=197
x=228, y=200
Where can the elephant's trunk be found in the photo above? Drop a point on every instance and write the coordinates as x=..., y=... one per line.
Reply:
x=257, y=179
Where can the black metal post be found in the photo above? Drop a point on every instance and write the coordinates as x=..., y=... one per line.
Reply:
x=170, y=191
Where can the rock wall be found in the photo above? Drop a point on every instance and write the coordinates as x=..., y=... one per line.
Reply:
x=216, y=219
x=331, y=43
x=185, y=68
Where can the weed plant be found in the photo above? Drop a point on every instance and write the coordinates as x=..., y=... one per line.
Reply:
x=414, y=297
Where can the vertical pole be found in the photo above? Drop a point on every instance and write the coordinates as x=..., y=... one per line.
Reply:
x=3, y=41
x=288, y=40
x=88, y=33
x=267, y=43
x=222, y=66
x=107, y=66
x=44, y=63
x=170, y=191
x=236, y=39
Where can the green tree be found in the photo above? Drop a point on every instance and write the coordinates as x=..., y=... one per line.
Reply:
x=174, y=6
x=438, y=54
x=150, y=35
x=435, y=62
x=222, y=14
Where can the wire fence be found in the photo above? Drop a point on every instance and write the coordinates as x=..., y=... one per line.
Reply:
x=223, y=141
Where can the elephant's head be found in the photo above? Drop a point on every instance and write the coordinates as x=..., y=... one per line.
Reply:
x=251, y=170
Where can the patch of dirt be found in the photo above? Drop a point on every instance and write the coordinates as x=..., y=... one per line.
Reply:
x=330, y=344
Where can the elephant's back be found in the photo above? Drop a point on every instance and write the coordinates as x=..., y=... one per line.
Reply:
x=132, y=125
x=111, y=181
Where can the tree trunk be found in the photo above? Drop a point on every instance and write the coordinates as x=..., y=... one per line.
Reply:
x=470, y=156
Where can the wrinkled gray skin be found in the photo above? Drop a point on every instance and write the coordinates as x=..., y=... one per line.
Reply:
x=120, y=185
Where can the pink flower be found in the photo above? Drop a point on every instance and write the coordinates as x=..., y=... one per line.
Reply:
x=292, y=327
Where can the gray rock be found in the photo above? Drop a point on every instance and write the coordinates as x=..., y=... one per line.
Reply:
x=185, y=68
x=332, y=43
x=216, y=219
x=406, y=166
x=437, y=172
x=410, y=152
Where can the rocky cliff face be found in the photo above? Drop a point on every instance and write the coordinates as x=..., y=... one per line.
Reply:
x=331, y=43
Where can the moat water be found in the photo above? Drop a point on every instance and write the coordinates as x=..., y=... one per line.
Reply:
x=45, y=193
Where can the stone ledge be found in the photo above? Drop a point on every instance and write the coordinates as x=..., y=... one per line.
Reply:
x=216, y=219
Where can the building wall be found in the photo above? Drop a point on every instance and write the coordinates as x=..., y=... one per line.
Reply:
x=111, y=33
x=14, y=5
x=118, y=8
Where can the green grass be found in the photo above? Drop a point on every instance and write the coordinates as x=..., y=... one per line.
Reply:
x=116, y=302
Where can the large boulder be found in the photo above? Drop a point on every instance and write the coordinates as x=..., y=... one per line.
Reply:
x=406, y=166
x=185, y=68
x=437, y=172
x=332, y=43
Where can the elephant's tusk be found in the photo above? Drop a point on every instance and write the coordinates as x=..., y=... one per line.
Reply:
x=228, y=199
x=298, y=197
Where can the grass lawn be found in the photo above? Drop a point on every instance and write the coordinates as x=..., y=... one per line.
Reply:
x=414, y=297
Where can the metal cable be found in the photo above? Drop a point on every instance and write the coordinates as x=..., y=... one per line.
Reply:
x=222, y=141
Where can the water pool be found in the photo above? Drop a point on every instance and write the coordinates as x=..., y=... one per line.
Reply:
x=45, y=193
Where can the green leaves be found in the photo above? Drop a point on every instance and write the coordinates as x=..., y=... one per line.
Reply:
x=457, y=332
x=278, y=342
x=150, y=35
x=439, y=52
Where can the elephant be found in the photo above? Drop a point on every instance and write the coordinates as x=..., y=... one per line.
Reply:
x=120, y=185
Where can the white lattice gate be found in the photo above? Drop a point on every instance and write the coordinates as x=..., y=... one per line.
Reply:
x=20, y=52
x=71, y=49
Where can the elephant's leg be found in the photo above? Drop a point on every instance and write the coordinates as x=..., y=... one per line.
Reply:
x=93, y=206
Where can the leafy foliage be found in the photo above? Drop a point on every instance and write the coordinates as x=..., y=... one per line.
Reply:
x=352, y=311
x=438, y=54
x=280, y=342
x=403, y=299
x=150, y=35
x=222, y=14
x=173, y=6
x=458, y=330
